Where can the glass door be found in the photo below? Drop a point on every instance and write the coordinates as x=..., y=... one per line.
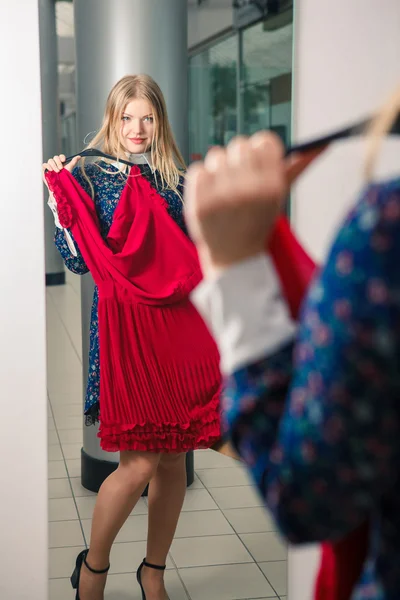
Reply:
x=266, y=76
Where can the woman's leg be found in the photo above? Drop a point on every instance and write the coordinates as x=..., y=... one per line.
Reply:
x=166, y=495
x=116, y=500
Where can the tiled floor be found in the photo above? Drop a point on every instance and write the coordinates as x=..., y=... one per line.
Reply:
x=225, y=547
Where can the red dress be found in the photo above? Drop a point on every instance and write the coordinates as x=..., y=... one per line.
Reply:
x=160, y=381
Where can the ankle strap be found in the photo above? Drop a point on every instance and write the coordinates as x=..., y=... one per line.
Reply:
x=95, y=571
x=150, y=566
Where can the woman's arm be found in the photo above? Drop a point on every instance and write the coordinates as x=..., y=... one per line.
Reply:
x=74, y=263
x=320, y=435
x=68, y=248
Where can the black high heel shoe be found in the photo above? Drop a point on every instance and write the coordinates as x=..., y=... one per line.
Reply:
x=76, y=575
x=139, y=574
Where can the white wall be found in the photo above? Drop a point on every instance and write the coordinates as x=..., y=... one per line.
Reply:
x=208, y=19
x=23, y=437
x=346, y=62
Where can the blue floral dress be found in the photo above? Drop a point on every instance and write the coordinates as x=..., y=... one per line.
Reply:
x=321, y=434
x=107, y=192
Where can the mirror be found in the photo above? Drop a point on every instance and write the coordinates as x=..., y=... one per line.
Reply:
x=226, y=545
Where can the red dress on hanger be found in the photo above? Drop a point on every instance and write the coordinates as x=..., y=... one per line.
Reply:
x=160, y=381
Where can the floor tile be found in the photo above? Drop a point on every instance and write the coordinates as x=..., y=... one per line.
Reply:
x=198, y=500
x=208, y=459
x=51, y=426
x=60, y=589
x=174, y=586
x=250, y=520
x=62, y=509
x=71, y=387
x=62, y=365
x=78, y=488
x=196, y=485
x=68, y=410
x=86, y=506
x=62, y=561
x=71, y=436
x=65, y=533
x=59, y=488
x=72, y=451
x=52, y=437
x=60, y=397
x=191, y=524
x=74, y=467
x=56, y=470
x=209, y=550
x=214, y=478
x=54, y=452
x=124, y=587
x=126, y=557
x=277, y=574
x=134, y=530
x=236, y=497
x=265, y=546
x=201, y=523
x=227, y=582
x=69, y=422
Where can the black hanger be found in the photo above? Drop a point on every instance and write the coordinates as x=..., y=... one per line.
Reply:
x=98, y=153
x=357, y=128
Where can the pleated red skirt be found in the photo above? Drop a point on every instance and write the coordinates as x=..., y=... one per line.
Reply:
x=166, y=399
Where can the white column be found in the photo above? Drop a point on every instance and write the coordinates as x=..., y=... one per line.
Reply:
x=346, y=62
x=115, y=38
x=55, y=273
x=23, y=438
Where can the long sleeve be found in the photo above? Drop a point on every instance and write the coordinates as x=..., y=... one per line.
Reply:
x=317, y=422
x=74, y=263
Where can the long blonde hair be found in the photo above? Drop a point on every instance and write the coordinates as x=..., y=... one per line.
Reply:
x=165, y=155
x=379, y=127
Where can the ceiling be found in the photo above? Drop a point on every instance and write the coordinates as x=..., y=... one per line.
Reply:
x=270, y=50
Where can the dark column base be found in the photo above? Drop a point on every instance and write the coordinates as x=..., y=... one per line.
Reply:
x=55, y=278
x=95, y=471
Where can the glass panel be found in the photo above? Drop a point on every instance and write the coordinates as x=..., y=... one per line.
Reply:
x=213, y=97
x=266, y=75
x=68, y=135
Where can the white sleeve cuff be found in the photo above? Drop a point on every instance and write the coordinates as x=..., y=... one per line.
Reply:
x=246, y=313
x=52, y=204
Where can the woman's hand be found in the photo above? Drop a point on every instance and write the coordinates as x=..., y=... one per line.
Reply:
x=56, y=164
x=235, y=196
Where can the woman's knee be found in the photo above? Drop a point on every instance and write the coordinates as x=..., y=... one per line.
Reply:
x=171, y=461
x=139, y=466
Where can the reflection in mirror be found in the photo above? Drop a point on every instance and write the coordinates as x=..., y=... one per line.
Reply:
x=158, y=396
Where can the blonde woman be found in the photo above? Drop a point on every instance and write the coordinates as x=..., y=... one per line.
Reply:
x=320, y=434
x=157, y=395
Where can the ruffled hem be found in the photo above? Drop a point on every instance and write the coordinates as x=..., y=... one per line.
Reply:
x=201, y=432
x=162, y=439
